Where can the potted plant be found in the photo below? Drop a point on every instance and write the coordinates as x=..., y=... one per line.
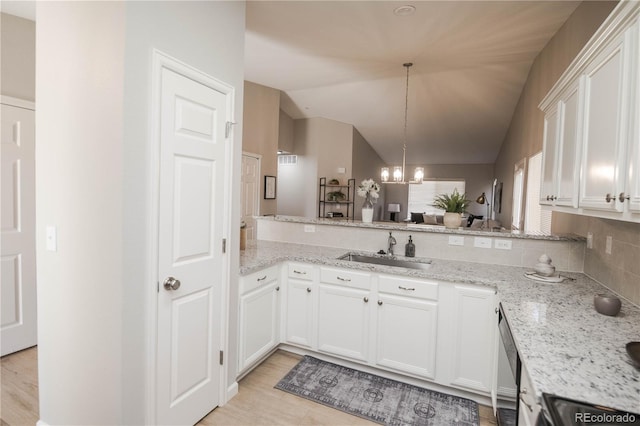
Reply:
x=454, y=205
x=369, y=190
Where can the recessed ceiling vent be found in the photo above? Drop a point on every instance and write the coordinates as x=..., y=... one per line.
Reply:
x=287, y=160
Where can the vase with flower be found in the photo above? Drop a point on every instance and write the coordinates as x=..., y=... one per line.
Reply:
x=369, y=190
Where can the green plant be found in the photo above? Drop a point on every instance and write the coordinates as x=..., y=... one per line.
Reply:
x=454, y=203
x=336, y=196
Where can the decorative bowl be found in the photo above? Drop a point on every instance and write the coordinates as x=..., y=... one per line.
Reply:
x=607, y=304
x=633, y=350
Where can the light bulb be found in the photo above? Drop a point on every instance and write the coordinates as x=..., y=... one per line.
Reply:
x=384, y=174
x=397, y=174
x=418, y=175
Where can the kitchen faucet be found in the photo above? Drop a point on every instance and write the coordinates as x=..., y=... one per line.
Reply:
x=391, y=242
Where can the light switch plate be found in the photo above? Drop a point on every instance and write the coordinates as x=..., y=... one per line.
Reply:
x=503, y=244
x=482, y=242
x=309, y=228
x=607, y=248
x=456, y=240
x=589, y=240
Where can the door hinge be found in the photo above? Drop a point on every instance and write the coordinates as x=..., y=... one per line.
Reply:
x=227, y=128
x=157, y=286
x=224, y=245
x=221, y=357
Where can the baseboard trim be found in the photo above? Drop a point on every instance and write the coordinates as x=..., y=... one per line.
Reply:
x=41, y=423
x=231, y=392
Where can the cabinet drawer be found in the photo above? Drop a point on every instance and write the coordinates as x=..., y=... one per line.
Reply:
x=408, y=287
x=345, y=278
x=300, y=271
x=257, y=279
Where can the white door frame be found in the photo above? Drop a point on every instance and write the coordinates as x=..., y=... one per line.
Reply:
x=161, y=60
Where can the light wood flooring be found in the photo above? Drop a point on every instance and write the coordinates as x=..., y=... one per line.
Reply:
x=257, y=402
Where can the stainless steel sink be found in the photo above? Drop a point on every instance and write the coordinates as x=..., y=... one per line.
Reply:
x=388, y=261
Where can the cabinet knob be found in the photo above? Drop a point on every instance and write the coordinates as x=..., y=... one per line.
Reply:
x=308, y=290
x=366, y=299
x=379, y=302
x=622, y=197
x=608, y=198
x=278, y=288
x=548, y=198
x=497, y=310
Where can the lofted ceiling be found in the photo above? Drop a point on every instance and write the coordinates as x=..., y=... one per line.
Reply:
x=342, y=60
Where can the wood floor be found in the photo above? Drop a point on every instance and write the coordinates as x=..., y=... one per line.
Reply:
x=257, y=402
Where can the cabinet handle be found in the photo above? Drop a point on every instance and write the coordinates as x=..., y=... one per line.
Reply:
x=548, y=198
x=262, y=279
x=497, y=310
x=379, y=302
x=278, y=288
x=621, y=197
x=299, y=272
x=406, y=288
x=366, y=299
x=308, y=290
x=343, y=279
x=608, y=198
x=522, y=393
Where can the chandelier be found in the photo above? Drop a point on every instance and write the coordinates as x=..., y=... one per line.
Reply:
x=398, y=171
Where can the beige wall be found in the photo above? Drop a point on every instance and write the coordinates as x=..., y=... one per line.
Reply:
x=18, y=49
x=285, y=133
x=366, y=163
x=260, y=134
x=524, y=137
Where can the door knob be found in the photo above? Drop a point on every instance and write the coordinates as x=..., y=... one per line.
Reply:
x=171, y=284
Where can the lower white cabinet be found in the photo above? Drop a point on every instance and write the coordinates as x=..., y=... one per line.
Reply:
x=468, y=346
x=406, y=326
x=299, y=308
x=343, y=321
x=259, y=316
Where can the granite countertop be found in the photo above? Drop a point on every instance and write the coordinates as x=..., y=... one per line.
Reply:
x=566, y=346
x=413, y=227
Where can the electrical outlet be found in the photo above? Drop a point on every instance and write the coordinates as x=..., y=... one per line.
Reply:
x=503, y=244
x=482, y=242
x=589, y=240
x=607, y=248
x=455, y=240
x=309, y=228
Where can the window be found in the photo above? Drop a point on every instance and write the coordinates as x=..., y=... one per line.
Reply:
x=518, y=189
x=421, y=196
x=535, y=218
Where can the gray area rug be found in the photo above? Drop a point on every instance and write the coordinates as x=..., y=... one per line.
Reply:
x=375, y=398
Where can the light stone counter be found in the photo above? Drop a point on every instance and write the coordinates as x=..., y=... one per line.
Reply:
x=413, y=227
x=568, y=348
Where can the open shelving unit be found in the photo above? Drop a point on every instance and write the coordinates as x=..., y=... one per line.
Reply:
x=329, y=201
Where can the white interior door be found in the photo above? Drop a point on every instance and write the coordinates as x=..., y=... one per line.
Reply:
x=18, y=292
x=250, y=193
x=191, y=206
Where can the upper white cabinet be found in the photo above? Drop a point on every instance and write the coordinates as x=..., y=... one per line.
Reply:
x=591, y=138
x=606, y=117
x=561, y=161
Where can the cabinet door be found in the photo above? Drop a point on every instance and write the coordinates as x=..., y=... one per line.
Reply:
x=299, y=326
x=568, y=159
x=343, y=321
x=259, y=318
x=550, y=153
x=474, y=332
x=607, y=93
x=406, y=334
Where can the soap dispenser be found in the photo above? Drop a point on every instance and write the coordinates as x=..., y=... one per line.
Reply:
x=410, y=248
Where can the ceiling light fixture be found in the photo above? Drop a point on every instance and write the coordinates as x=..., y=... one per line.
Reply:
x=398, y=171
x=405, y=10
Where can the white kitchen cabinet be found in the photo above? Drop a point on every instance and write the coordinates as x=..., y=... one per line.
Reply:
x=607, y=105
x=561, y=147
x=528, y=407
x=259, y=316
x=344, y=298
x=407, y=314
x=472, y=324
x=300, y=313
